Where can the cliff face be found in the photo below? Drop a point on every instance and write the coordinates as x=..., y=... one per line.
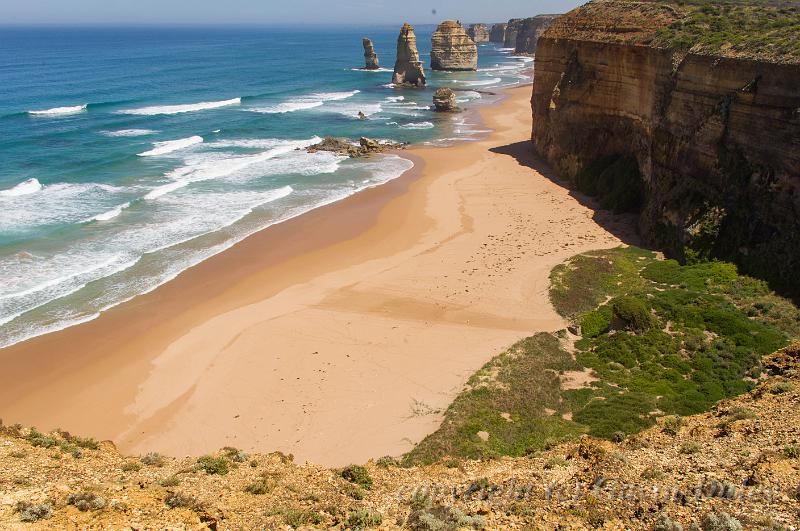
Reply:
x=478, y=33
x=452, y=49
x=715, y=140
x=529, y=32
x=498, y=33
x=408, y=69
x=370, y=57
x=512, y=30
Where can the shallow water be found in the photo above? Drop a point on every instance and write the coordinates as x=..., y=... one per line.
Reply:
x=129, y=155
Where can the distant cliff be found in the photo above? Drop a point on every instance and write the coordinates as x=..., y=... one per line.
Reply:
x=530, y=29
x=690, y=116
x=498, y=33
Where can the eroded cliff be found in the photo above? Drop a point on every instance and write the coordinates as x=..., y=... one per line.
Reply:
x=701, y=136
x=478, y=33
x=452, y=49
x=529, y=32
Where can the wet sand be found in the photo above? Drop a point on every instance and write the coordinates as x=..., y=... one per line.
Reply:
x=337, y=336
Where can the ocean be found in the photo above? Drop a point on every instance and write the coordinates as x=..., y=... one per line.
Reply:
x=128, y=155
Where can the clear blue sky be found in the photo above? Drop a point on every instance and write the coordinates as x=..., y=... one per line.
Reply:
x=270, y=11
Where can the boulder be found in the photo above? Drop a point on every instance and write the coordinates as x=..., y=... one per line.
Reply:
x=498, y=33
x=478, y=33
x=452, y=49
x=408, y=69
x=370, y=57
x=444, y=100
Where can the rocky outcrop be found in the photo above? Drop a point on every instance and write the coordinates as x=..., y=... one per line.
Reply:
x=705, y=146
x=498, y=33
x=444, y=100
x=529, y=32
x=512, y=31
x=370, y=57
x=452, y=49
x=362, y=148
x=478, y=33
x=408, y=69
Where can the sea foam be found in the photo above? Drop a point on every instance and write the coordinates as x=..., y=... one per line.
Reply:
x=301, y=103
x=31, y=186
x=178, y=109
x=59, y=111
x=129, y=133
x=170, y=146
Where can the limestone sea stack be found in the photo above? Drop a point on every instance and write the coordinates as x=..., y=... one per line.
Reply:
x=529, y=32
x=512, y=30
x=478, y=33
x=408, y=69
x=498, y=33
x=444, y=100
x=370, y=57
x=452, y=49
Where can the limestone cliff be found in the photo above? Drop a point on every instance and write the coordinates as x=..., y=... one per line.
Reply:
x=408, y=69
x=529, y=32
x=452, y=49
x=703, y=139
x=370, y=57
x=512, y=30
x=478, y=33
x=498, y=33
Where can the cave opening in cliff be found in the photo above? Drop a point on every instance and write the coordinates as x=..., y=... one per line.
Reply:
x=615, y=181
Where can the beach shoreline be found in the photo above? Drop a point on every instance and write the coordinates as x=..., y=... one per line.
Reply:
x=336, y=336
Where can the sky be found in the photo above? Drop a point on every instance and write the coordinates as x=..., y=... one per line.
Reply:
x=312, y=12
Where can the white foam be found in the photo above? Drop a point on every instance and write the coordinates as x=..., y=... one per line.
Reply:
x=418, y=125
x=395, y=98
x=129, y=132
x=111, y=214
x=372, y=69
x=305, y=102
x=31, y=186
x=492, y=81
x=59, y=111
x=177, y=109
x=524, y=59
x=170, y=146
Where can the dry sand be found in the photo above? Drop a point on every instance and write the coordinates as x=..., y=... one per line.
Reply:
x=337, y=336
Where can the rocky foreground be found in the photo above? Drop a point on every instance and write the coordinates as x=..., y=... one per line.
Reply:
x=735, y=467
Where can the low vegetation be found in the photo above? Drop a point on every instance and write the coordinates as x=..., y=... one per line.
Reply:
x=658, y=341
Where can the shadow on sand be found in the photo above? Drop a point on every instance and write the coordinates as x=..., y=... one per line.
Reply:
x=623, y=226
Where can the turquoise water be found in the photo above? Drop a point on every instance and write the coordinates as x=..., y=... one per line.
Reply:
x=129, y=155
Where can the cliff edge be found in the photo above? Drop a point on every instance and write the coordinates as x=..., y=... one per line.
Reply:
x=688, y=113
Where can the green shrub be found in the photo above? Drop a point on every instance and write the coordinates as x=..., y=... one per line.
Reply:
x=297, y=518
x=173, y=500
x=363, y=519
x=690, y=447
x=235, y=455
x=130, y=466
x=792, y=452
x=172, y=481
x=720, y=522
x=42, y=440
x=741, y=413
x=262, y=486
x=214, y=465
x=672, y=425
x=781, y=387
x=357, y=474
x=555, y=462
x=595, y=322
x=634, y=312
x=387, y=461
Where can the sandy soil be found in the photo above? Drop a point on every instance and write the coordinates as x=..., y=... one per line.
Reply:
x=337, y=336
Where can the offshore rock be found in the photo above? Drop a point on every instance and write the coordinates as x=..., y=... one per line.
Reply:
x=452, y=49
x=529, y=32
x=408, y=69
x=370, y=57
x=444, y=100
x=498, y=33
x=478, y=33
x=362, y=148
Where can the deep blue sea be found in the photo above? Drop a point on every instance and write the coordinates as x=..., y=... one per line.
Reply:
x=130, y=154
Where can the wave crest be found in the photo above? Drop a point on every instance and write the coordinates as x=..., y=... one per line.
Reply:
x=164, y=148
x=31, y=186
x=178, y=109
x=60, y=111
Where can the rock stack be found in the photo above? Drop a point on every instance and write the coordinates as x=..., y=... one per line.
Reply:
x=408, y=69
x=529, y=32
x=444, y=100
x=452, y=49
x=498, y=33
x=478, y=33
x=512, y=30
x=370, y=57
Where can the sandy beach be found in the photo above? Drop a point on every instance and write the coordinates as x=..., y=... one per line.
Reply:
x=337, y=336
